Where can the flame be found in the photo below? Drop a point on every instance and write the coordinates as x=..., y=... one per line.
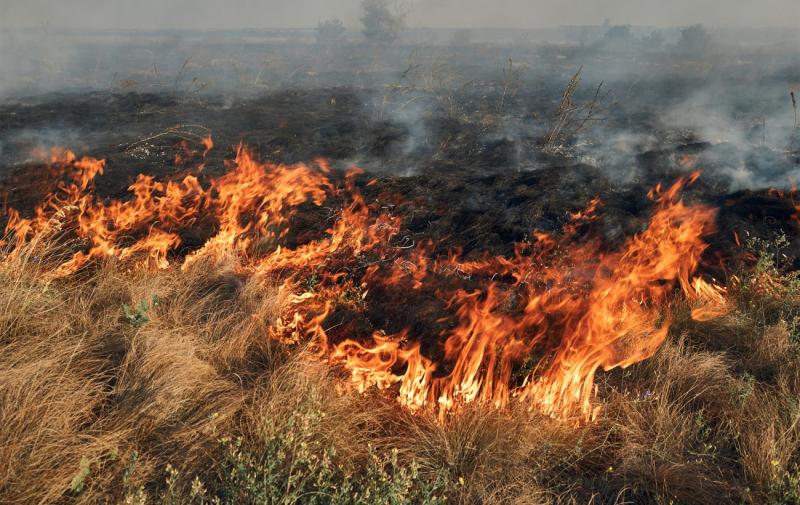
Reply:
x=208, y=144
x=532, y=327
x=687, y=160
x=791, y=195
x=592, y=309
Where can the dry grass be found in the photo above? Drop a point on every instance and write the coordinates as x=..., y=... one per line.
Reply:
x=81, y=382
x=188, y=399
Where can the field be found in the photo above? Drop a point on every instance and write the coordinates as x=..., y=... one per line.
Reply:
x=264, y=272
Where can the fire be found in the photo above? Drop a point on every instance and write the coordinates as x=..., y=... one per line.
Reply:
x=591, y=309
x=791, y=195
x=687, y=160
x=532, y=327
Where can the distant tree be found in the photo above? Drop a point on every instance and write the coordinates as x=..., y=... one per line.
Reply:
x=330, y=32
x=382, y=21
x=617, y=38
x=695, y=40
x=653, y=41
x=619, y=32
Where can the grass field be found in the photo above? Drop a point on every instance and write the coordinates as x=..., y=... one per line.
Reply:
x=127, y=386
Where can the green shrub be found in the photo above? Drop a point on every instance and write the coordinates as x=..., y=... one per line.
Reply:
x=296, y=465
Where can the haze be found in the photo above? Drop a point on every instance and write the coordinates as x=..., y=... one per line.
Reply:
x=233, y=14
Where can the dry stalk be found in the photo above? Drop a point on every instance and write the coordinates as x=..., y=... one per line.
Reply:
x=570, y=118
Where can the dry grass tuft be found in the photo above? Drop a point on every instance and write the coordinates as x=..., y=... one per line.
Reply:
x=670, y=437
x=81, y=381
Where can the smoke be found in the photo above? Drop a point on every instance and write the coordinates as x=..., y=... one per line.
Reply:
x=238, y=14
x=749, y=124
x=741, y=135
x=29, y=144
x=438, y=93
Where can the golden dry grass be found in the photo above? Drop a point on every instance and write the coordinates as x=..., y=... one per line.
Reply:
x=195, y=402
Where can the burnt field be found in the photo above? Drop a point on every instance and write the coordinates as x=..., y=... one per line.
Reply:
x=472, y=155
x=254, y=269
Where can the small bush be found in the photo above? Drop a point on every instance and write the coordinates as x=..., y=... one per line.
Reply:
x=294, y=465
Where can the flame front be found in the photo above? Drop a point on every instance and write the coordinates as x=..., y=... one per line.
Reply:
x=533, y=327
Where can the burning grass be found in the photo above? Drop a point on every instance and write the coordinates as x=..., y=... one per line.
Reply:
x=188, y=346
x=189, y=402
x=563, y=298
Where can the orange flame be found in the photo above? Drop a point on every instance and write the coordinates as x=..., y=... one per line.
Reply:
x=592, y=309
x=562, y=299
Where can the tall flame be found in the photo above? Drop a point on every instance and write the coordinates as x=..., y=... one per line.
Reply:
x=533, y=327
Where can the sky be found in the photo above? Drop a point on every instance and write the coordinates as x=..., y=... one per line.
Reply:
x=232, y=14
